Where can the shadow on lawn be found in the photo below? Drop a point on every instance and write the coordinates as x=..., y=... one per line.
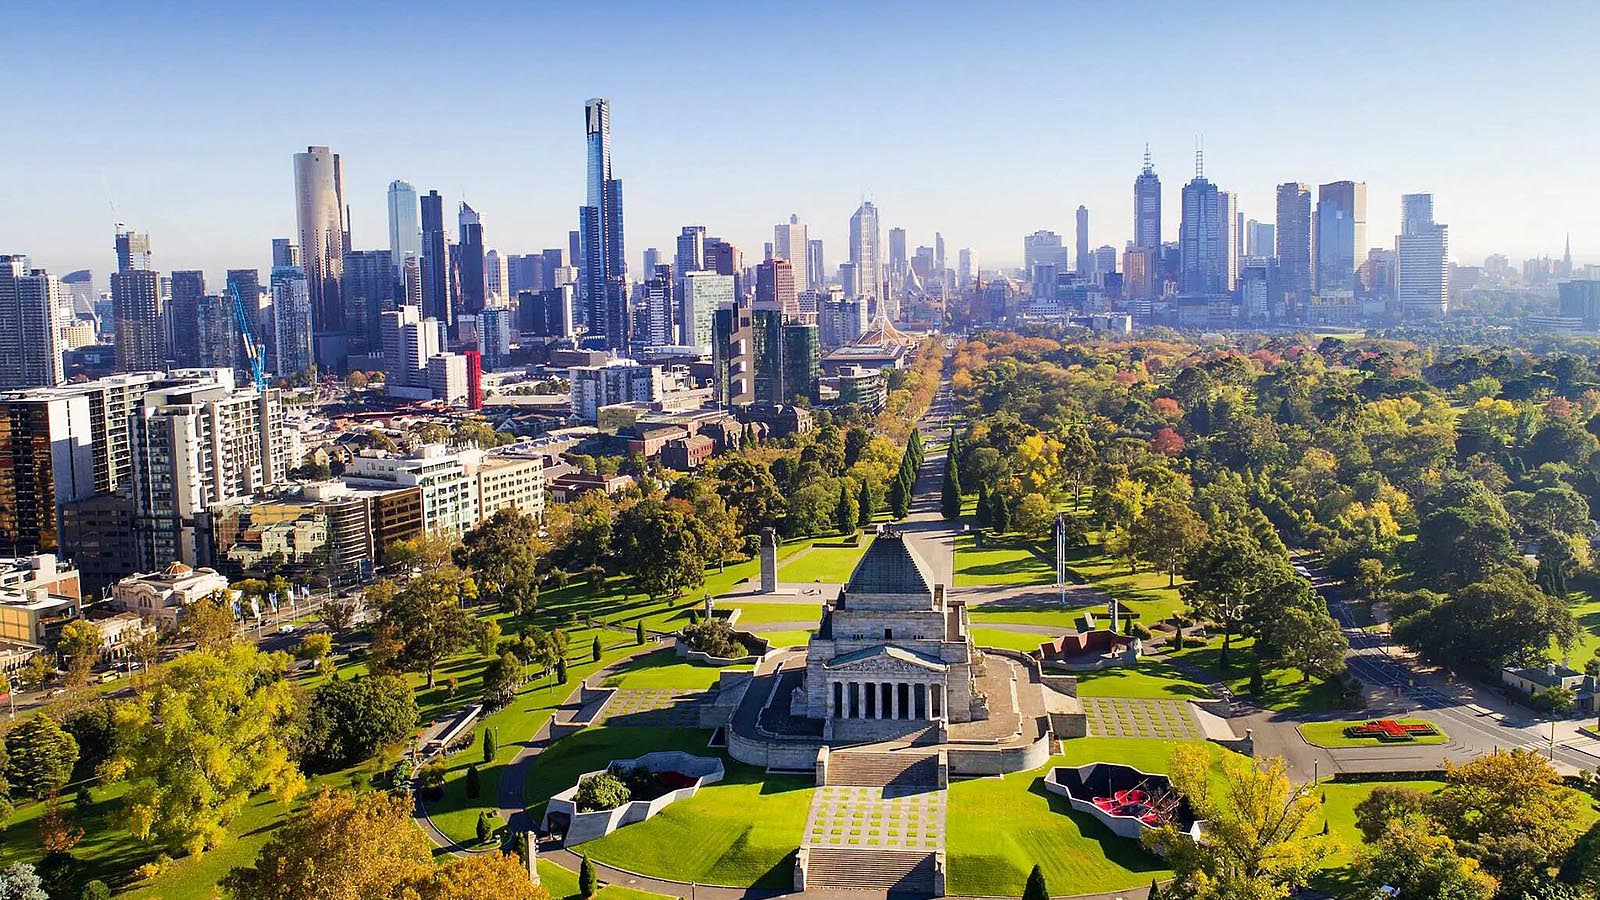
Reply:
x=1121, y=851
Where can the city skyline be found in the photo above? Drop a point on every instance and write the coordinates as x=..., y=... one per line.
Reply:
x=214, y=205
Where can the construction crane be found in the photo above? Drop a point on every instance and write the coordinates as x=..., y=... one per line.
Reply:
x=247, y=337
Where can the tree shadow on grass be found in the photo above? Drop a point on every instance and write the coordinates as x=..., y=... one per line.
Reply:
x=1121, y=851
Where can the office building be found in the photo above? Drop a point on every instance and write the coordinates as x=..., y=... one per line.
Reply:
x=733, y=355
x=435, y=268
x=1201, y=242
x=660, y=308
x=1422, y=259
x=324, y=239
x=494, y=276
x=816, y=271
x=1043, y=248
x=1147, y=207
x=1580, y=299
x=790, y=241
x=137, y=301
x=1294, y=242
x=409, y=341
x=293, y=320
x=183, y=316
x=616, y=381
x=1228, y=228
x=802, y=360
x=405, y=225
x=865, y=256
x=703, y=294
x=1085, y=268
x=219, y=332
x=547, y=313
x=602, y=266
x=966, y=267
x=775, y=287
x=285, y=252
x=691, y=255
x=494, y=336
x=368, y=285
x=524, y=272
x=30, y=327
x=449, y=495
x=469, y=260
x=1259, y=239
x=1341, y=234
x=897, y=253
x=447, y=378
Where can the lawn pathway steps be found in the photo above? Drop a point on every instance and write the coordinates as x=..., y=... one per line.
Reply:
x=877, y=823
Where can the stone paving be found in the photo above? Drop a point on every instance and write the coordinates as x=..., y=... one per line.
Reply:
x=886, y=818
x=656, y=707
x=1130, y=717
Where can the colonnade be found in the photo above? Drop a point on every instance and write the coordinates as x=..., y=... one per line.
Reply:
x=913, y=700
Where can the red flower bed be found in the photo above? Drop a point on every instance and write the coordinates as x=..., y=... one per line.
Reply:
x=1390, y=731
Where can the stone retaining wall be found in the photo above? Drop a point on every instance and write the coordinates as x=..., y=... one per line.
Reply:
x=588, y=826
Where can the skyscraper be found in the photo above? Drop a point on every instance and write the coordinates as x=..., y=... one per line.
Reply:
x=864, y=250
x=691, y=255
x=1341, y=234
x=1258, y=239
x=1202, y=267
x=816, y=271
x=1422, y=259
x=789, y=241
x=966, y=266
x=30, y=336
x=897, y=253
x=435, y=261
x=775, y=286
x=704, y=294
x=495, y=276
x=1228, y=234
x=602, y=267
x=405, y=224
x=369, y=289
x=469, y=260
x=1085, y=263
x=1043, y=248
x=285, y=252
x=320, y=214
x=137, y=305
x=292, y=315
x=659, y=307
x=183, y=314
x=1294, y=242
x=1147, y=207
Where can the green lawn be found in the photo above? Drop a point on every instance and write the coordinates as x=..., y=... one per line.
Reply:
x=1008, y=640
x=1282, y=689
x=827, y=561
x=1151, y=679
x=786, y=638
x=1331, y=735
x=1144, y=591
x=563, y=885
x=1008, y=560
x=740, y=832
x=663, y=669
x=1587, y=611
x=1000, y=827
x=1052, y=614
x=762, y=613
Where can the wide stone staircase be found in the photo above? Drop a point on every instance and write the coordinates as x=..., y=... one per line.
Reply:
x=883, y=769
x=876, y=824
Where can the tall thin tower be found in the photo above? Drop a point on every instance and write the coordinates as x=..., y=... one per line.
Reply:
x=1147, y=206
x=320, y=213
x=405, y=227
x=602, y=264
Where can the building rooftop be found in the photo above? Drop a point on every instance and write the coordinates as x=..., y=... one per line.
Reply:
x=890, y=566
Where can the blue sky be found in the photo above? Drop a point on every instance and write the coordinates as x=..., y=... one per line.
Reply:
x=983, y=121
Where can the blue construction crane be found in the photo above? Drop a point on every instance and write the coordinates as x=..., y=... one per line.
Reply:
x=247, y=336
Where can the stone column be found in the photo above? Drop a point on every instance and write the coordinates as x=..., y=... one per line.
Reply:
x=769, y=560
x=833, y=690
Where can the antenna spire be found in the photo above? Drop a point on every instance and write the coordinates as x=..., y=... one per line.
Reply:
x=1199, y=157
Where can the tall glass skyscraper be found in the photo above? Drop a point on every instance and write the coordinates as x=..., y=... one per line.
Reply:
x=324, y=240
x=1341, y=233
x=1294, y=242
x=1201, y=245
x=435, y=261
x=405, y=228
x=1147, y=207
x=602, y=266
x=469, y=260
x=864, y=251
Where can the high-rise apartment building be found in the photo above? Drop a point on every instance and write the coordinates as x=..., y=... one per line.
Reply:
x=495, y=328
x=790, y=241
x=409, y=341
x=1228, y=226
x=324, y=239
x=1341, y=234
x=703, y=294
x=1422, y=259
x=30, y=330
x=435, y=268
x=865, y=255
x=602, y=265
x=293, y=318
x=660, y=307
x=368, y=286
x=285, y=252
x=495, y=275
x=775, y=287
x=1043, y=248
x=1147, y=207
x=405, y=224
x=733, y=355
x=1259, y=239
x=137, y=302
x=183, y=316
x=897, y=253
x=469, y=260
x=966, y=267
x=1085, y=263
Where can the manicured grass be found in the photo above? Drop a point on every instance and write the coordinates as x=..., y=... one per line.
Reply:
x=1052, y=614
x=563, y=885
x=1007, y=640
x=740, y=832
x=1331, y=735
x=1282, y=689
x=1151, y=679
x=663, y=669
x=1003, y=560
x=1144, y=592
x=762, y=613
x=1586, y=610
x=786, y=638
x=826, y=562
x=1000, y=827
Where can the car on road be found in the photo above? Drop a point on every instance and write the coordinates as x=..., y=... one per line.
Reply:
x=286, y=628
x=1302, y=571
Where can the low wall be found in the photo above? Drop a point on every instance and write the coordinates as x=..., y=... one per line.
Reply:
x=997, y=760
x=1122, y=826
x=791, y=757
x=684, y=652
x=588, y=826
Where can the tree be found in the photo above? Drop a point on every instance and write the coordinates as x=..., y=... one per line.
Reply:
x=1035, y=516
x=586, y=877
x=485, y=827
x=844, y=512
x=864, y=506
x=95, y=889
x=80, y=645
x=1261, y=832
x=343, y=846
x=1035, y=889
x=663, y=546
x=231, y=708
x=981, y=513
x=503, y=553
x=209, y=622
x=339, y=613
x=490, y=745
x=638, y=632
x=349, y=721
x=899, y=498
x=427, y=619
x=594, y=650
x=1370, y=579
x=1166, y=533
x=1155, y=891
x=481, y=876
x=489, y=639
x=474, y=785
x=950, y=491
x=1412, y=856
x=1510, y=811
x=1226, y=576
x=1489, y=624
x=1000, y=517
x=1387, y=803
x=315, y=646
x=1293, y=628
x=1458, y=545
x=39, y=757
x=19, y=881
